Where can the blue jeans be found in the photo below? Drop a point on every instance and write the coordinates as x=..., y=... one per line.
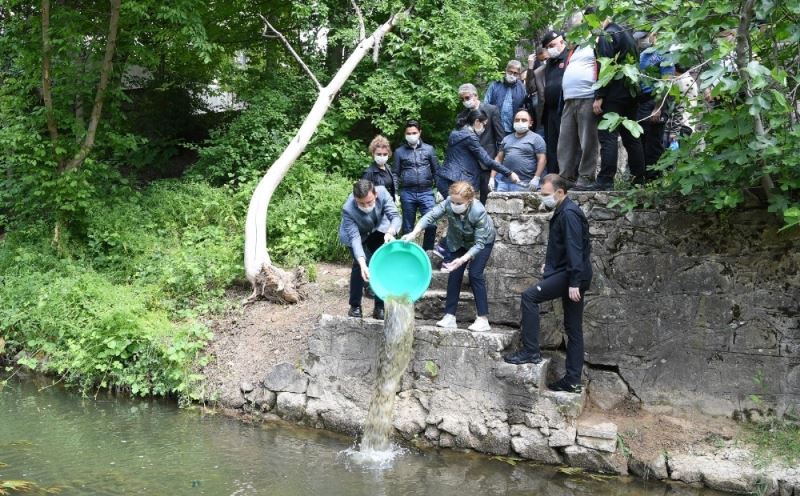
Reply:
x=424, y=202
x=477, y=281
x=504, y=186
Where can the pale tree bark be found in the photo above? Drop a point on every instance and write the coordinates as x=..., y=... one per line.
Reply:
x=102, y=87
x=269, y=281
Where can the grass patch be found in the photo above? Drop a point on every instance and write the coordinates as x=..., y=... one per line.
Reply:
x=775, y=440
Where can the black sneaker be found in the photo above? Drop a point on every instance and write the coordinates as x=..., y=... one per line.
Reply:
x=564, y=385
x=523, y=356
x=355, y=312
x=600, y=185
x=378, y=313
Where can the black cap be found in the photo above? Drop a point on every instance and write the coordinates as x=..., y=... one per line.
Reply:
x=550, y=36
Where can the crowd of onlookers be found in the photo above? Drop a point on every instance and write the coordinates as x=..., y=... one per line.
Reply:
x=536, y=129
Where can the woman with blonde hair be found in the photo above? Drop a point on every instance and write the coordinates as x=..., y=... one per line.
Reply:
x=377, y=172
x=470, y=239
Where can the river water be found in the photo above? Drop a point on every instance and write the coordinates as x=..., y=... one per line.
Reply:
x=116, y=445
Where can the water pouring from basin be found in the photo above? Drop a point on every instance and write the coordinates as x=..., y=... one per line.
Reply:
x=400, y=273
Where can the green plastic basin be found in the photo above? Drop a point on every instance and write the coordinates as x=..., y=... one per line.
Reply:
x=399, y=269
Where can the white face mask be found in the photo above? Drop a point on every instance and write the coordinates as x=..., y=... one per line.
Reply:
x=412, y=139
x=511, y=79
x=459, y=209
x=554, y=52
x=521, y=127
x=470, y=104
x=549, y=201
x=381, y=159
x=366, y=210
x=478, y=130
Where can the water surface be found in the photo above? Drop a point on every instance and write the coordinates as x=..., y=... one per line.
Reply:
x=116, y=445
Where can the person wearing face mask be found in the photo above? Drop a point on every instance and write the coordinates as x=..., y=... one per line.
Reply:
x=508, y=94
x=524, y=153
x=490, y=139
x=377, y=172
x=619, y=96
x=548, y=80
x=465, y=155
x=415, y=165
x=470, y=239
x=566, y=274
x=369, y=219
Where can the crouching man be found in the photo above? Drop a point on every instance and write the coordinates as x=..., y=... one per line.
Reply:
x=369, y=219
x=567, y=274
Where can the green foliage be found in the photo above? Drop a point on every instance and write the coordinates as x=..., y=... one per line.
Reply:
x=748, y=136
x=120, y=309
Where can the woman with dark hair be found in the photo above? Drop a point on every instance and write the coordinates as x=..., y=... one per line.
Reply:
x=464, y=154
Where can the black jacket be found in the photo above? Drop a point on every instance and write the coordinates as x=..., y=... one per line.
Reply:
x=380, y=177
x=415, y=168
x=494, y=133
x=568, y=246
x=464, y=157
x=553, y=75
x=616, y=42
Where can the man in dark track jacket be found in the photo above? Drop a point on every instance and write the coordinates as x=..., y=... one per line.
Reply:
x=567, y=274
x=415, y=165
x=620, y=96
x=551, y=112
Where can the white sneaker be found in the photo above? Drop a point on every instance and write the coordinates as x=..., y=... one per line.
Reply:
x=481, y=324
x=448, y=321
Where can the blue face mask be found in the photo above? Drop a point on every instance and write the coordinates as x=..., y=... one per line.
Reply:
x=549, y=201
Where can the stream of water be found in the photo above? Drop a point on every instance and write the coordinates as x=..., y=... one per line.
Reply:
x=115, y=445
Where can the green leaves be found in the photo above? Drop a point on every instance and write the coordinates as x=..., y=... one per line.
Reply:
x=612, y=120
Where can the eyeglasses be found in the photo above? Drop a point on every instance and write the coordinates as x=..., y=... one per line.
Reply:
x=513, y=73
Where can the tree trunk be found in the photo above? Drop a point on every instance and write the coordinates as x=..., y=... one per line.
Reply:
x=268, y=281
x=102, y=86
x=743, y=58
x=47, y=83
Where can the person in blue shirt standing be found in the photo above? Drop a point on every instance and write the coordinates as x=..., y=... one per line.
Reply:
x=508, y=94
x=566, y=274
x=415, y=165
x=369, y=219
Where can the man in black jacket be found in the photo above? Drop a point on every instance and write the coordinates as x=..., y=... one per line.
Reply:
x=491, y=137
x=556, y=48
x=567, y=274
x=620, y=96
x=415, y=165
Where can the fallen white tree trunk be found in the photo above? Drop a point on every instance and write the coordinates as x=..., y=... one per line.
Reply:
x=268, y=281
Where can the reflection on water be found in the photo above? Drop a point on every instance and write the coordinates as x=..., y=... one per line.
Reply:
x=115, y=445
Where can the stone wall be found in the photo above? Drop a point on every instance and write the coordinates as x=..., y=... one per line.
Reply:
x=692, y=310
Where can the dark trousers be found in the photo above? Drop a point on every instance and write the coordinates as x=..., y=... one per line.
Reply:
x=476, y=280
x=443, y=185
x=550, y=288
x=608, y=145
x=423, y=202
x=552, y=128
x=653, y=144
x=484, y=186
x=372, y=243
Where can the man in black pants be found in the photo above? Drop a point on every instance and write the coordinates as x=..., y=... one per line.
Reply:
x=619, y=96
x=556, y=47
x=567, y=275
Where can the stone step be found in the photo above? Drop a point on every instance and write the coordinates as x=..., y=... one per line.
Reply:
x=431, y=306
x=439, y=281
